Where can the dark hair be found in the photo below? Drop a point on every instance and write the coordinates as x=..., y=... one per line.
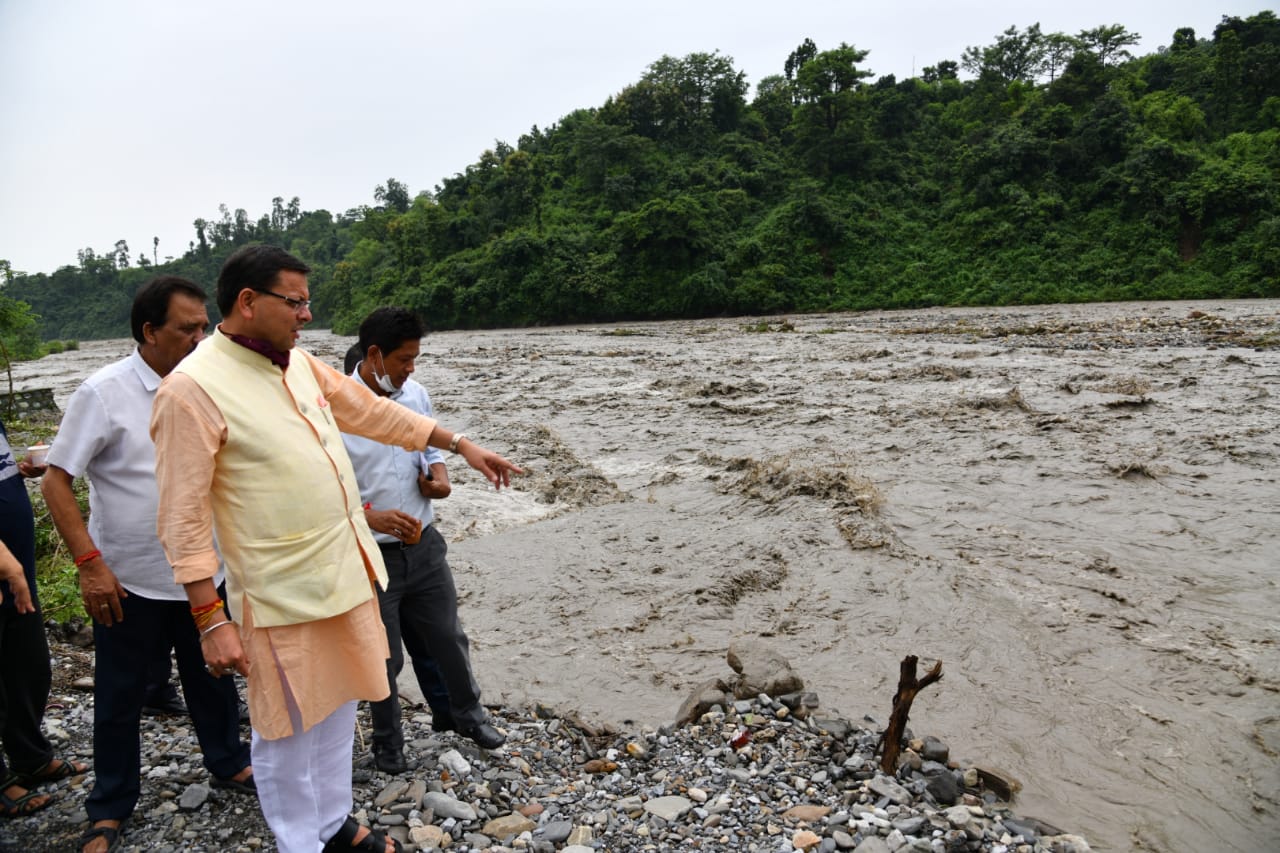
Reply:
x=151, y=302
x=388, y=328
x=351, y=359
x=255, y=267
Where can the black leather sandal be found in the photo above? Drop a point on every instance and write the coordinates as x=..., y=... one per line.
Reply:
x=111, y=833
x=345, y=839
x=54, y=770
x=24, y=804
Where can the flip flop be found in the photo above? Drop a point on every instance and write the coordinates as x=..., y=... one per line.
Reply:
x=23, y=805
x=48, y=772
x=111, y=833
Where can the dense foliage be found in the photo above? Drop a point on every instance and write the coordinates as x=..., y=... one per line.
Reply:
x=1063, y=169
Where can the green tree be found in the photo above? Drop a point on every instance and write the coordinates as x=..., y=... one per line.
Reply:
x=1015, y=56
x=1109, y=43
x=392, y=195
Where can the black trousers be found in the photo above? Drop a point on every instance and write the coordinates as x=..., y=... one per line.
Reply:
x=420, y=607
x=124, y=656
x=25, y=674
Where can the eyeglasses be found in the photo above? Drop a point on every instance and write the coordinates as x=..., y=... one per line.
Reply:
x=298, y=305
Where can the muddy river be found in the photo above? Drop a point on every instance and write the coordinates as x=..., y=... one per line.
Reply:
x=1074, y=508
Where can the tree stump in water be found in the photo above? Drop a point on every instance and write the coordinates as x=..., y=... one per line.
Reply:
x=908, y=687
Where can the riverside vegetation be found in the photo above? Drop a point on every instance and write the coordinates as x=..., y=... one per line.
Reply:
x=1062, y=169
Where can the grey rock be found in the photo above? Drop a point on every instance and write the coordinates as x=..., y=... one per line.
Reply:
x=630, y=805
x=1066, y=844
x=760, y=670
x=874, y=844
x=417, y=789
x=1019, y=827
x=843, y=840
x=446, y=806
x=706, y=695
x=193, y=797
x=557, y=831
x=455, y=763
x=935, y=750
x=391, y=793
x=1003, y=784
x=670, y=808
x=509, y=826
x=943, y=787
x=886, y=787
x=914, y=825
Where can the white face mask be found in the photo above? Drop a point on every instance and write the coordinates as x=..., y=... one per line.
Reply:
x=384, y=381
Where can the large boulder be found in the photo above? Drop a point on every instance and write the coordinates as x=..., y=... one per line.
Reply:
x=760, y=670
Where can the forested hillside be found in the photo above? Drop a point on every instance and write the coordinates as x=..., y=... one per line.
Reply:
x=1059, y=169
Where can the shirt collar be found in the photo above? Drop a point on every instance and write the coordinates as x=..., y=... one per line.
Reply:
x=146, y=373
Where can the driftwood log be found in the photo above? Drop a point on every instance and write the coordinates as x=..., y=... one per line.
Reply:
x=908, y=687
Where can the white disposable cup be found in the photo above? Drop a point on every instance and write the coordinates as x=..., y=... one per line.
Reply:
x=37, y=453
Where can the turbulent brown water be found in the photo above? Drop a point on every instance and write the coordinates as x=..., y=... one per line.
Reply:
x=1075, y=508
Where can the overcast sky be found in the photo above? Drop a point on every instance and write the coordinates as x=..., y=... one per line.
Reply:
x=128, y=119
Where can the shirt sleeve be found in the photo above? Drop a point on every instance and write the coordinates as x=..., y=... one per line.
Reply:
x=434, y=454
x=188, y=431
x=359, y=411
x=83, y=433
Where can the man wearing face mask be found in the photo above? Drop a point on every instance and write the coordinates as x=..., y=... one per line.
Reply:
x=420, y=603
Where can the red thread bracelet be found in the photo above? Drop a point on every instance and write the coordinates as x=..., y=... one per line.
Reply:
x=216, y=604
x=86, y=557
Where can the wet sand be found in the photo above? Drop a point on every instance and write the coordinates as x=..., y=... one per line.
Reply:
x=1075, y=508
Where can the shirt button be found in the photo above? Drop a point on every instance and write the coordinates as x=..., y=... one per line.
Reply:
x=302, y=407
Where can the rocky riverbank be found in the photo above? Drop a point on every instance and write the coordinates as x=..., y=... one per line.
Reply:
x=768, y=773
x=1072, y=505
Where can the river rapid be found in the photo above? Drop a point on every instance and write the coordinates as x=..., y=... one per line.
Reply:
x=1074, y=508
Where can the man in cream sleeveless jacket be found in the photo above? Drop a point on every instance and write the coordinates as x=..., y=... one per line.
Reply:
x=248, y=445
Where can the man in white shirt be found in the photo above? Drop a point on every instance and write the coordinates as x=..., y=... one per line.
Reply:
x=139, y=613
x=420, y=603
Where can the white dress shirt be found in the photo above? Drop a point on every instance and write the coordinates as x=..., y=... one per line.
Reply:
x=105, y=437
x=388, y=476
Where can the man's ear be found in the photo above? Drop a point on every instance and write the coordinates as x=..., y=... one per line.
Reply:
x=244, y=303
x=148, y=333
